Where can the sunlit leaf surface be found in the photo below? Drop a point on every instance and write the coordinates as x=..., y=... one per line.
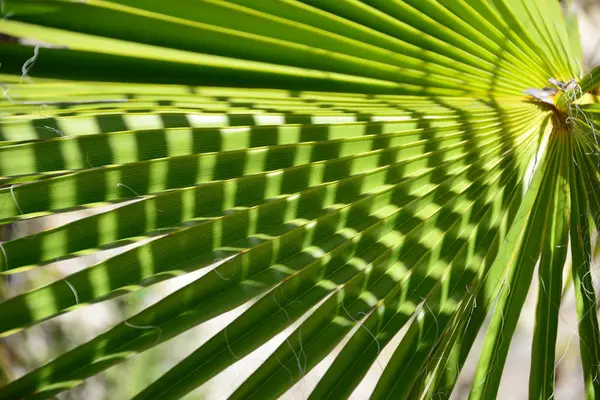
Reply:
x=363, y=166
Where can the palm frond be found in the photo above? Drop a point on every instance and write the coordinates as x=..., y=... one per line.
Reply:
x=350, y=170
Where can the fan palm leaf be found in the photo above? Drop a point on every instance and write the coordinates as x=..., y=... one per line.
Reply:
x=352, y=172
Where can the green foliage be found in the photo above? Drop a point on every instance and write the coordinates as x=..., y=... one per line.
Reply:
x=367, y=168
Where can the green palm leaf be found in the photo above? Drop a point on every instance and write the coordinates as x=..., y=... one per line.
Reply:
x=345, y=170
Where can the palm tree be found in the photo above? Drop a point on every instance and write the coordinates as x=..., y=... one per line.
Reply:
x=349, y=172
